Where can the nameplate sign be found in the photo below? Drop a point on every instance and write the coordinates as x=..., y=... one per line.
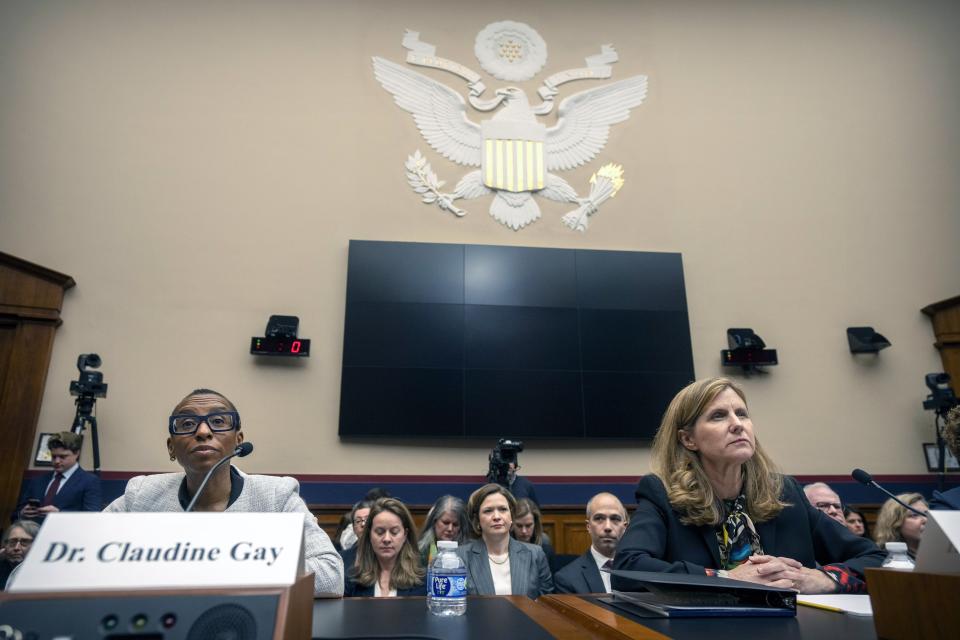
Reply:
x=939, y=543
x=87, y=551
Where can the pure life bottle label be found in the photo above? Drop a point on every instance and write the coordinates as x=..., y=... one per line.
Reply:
x=448, y=587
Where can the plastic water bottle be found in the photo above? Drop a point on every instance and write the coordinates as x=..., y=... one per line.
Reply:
x=897, y=557
x=447, y=588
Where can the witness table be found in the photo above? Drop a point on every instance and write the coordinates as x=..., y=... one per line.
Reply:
x=563, y=616
x=489, y=618
x=810, y=624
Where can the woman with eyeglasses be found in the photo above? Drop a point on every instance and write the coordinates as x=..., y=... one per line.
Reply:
x=15, y=544
x=203, y=429
x=388, y=562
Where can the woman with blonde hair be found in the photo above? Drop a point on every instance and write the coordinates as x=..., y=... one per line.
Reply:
x=715, y=504
x=388, y=563
x=896, y=523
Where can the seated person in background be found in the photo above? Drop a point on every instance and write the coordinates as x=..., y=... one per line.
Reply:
x=446, y=520
x=358, y=520
x=520, y=487
x=820, y=495
x=715, y=504
x=388, y=563
x=606, y=522
x=856, y=522
x=205, y=427
x=498, y=564
x=949, y=500
x=15, y=544
x=528, y=527
x=67, y=488
x=344, y=524
x=896, y=523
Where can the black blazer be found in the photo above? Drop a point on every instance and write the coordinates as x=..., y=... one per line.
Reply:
x=946, y=501
x=580, y=576
x=657, y=541
x=354, y=590
x=81, y=492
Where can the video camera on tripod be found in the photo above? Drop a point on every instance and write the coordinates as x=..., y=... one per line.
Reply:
x=87, y=389
x=503, y=454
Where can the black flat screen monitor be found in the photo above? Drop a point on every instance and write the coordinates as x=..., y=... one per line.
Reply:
x=465, y=341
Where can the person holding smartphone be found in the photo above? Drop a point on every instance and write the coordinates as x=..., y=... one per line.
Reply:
x=67, y=488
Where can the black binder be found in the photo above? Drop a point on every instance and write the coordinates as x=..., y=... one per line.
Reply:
x=688, y=596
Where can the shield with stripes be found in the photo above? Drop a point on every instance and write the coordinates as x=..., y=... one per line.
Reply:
x=512, y=158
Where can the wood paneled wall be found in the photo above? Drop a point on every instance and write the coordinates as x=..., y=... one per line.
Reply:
x=566, y=525
x=31, y=297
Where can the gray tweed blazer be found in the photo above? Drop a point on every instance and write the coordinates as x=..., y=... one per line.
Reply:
x=529, y=570
x=261, y=494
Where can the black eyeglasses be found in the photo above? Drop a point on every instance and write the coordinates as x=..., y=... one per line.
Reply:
x=186, y=424
x=826, y=506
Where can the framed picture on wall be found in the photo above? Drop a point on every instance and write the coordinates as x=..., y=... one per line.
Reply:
x=932, y=454
x=42, y=457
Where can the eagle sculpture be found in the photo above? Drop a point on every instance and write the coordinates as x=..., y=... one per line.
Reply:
x=515, y=154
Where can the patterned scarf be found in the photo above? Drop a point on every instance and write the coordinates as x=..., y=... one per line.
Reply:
x=736, y=534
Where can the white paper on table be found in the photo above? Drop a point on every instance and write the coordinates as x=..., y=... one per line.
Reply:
x=857, y=605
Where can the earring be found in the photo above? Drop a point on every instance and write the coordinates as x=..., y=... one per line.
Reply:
x=173, y=458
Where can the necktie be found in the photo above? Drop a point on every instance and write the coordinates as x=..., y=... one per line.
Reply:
x=52, y=491
x=608, y=564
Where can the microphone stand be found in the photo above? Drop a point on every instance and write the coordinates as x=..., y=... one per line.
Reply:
x=239, y=451
x=863, y=477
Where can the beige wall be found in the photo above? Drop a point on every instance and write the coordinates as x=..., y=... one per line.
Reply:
x=197, y=166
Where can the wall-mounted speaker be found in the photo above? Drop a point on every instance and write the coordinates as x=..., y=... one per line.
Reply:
x=267, y=613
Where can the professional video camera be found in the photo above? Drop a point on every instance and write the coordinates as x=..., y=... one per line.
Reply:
x=502, y=455
x=87, y=389
x=941, y=398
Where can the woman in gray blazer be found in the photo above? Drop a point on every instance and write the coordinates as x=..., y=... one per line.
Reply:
x=205, y=427
x=498, y=564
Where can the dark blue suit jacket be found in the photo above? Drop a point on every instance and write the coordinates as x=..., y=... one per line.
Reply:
x=946, y=501
x=523, y=488
x=580, y=576
x=656, y=540
x=81, y=492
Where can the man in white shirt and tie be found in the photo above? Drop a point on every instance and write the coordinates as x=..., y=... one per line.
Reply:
x=68, y=488
x=606, y=522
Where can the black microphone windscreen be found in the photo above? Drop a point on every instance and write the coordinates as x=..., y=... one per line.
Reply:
x=862, y=476
x=245, y=449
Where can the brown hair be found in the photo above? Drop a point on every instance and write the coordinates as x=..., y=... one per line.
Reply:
x=681, y=471
x=891, y=518
x=65, y=440
x=408, y=571
x=477, y=498
x=525, y=506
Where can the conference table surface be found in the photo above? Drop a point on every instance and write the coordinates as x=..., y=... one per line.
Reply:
x=563, y=616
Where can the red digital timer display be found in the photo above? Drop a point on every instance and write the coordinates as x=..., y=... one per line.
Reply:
x=290, y=347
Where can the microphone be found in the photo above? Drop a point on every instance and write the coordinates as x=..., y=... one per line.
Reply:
x=863, y=477
x=243, y=449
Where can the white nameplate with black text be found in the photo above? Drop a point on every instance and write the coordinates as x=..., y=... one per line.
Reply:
x=163, y=550
x=939, y=543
